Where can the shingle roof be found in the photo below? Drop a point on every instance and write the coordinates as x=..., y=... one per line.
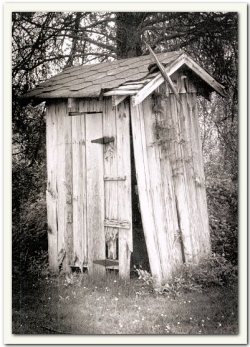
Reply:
x=90, y=80
x=93, y=80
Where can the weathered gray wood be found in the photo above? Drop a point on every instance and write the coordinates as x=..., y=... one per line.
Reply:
x=124, y=188
x=144, y=189
x=114, y=178
x=184, y=152
x=117, y=99
x=95, y=193
x=51, y=148
x=119, y=92
x=203, y=234
x=51, y=194
x=204, y=75
x=147, y=89
x=187, y=152
x=168, y=193
x=75, y=114
x=130, y=87
x=120, y=224
x=164, y=74
x=90, y=105
x=180, y=181
x=165, y=232
x=118, y=190
x=73, y=105
x=79, y=191
x=52, y=231
x=110, y=169
x=68, y=190
x=61, y=113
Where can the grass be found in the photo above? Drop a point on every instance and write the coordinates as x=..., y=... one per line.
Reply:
x=81, y=305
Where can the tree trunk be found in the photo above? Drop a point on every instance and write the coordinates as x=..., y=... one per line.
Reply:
x=128, y=34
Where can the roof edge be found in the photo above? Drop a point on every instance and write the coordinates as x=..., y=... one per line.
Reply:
x=187, y=60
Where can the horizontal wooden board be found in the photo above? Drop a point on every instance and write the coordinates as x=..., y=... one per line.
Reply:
x=120, y=224
x=114, y=178
x=106, y=262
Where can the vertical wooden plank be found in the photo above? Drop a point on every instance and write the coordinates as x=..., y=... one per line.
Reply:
x=79, y=191
x=51, y=148
x=51, y=194
x=171, y=218
x=95, y=193
x=156, y=188
x=52, y=231
x=143, y=181
x=199, y=179
x=188, y=172
x=60, y=111
x=110, y=169
x=90, y=105
x=68, y=191
x=167, y=132
x=124, y=209
x=180, y=182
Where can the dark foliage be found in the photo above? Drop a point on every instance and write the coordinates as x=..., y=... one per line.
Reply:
x=222, y=198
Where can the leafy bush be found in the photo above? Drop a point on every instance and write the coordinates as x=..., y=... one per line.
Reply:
x=29, y=228
x=212, y=271
x=222, y=196
x=29, y=237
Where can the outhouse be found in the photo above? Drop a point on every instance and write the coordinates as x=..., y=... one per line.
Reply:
x=96, y=115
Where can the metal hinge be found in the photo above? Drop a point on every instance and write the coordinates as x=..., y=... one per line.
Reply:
x=104, y=140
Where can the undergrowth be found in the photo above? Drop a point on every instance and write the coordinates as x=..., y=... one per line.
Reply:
x=210, y=272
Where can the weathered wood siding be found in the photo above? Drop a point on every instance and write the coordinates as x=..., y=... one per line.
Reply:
x=79, y=191
x=155, y=191
x=59, y=185
x=183, y=146
x=66, y=183
x=95, y=193
x=82, y=240
x=89, y=185
x=170, y=178
x=118, y=187
x=51, y=194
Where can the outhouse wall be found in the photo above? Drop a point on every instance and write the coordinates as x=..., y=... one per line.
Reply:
x=170, y=177
x=89, y=185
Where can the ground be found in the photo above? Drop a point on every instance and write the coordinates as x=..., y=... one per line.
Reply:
x=80, y=305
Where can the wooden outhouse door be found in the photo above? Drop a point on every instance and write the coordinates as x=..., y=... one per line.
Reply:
x=89, y=186
x=108, y=191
